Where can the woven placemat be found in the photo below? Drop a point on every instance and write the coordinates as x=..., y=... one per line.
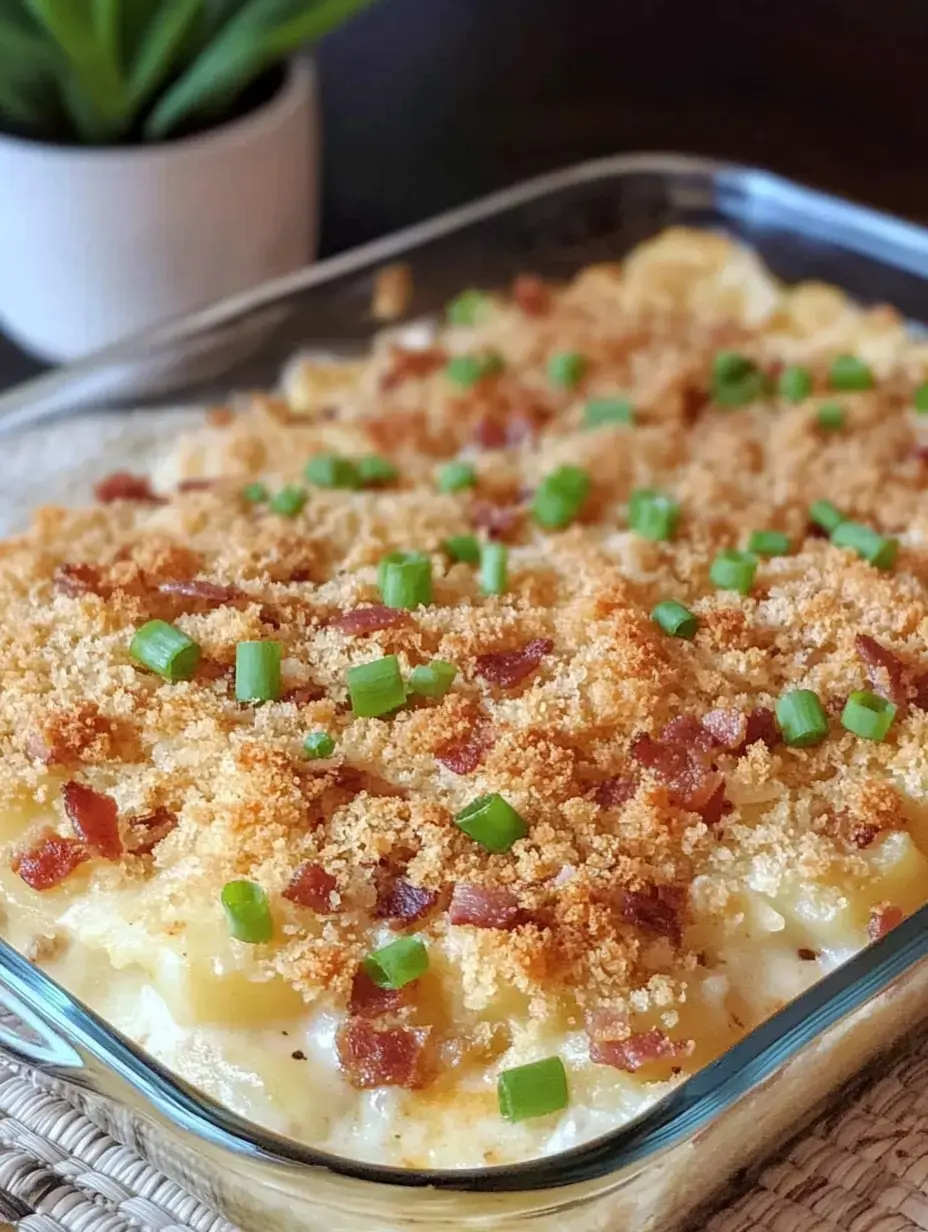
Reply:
x=862, y=1168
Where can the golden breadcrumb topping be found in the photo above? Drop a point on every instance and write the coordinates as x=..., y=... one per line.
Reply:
x=644, y=846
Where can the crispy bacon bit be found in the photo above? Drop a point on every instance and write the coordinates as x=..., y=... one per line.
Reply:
x=888, y=674
x=303, y=694
x=403, y=902
x=716, y=806
x=463, y=756
x=195, y=485
x=761, y=725
x=688, y=732
x=94, y=818
x=499, y=521
x=920, y=692
x=46, y=863
x=145, y=833
x=369, y=1000
x=614, y=792
x=311, y=886
x=728, y=728
x=863, y=835
x=490, y=432
x=637, y=1050
x=691, y=782
x=405, y=364
x=76, y=580
x=806, y=955
x=219, y=416
x=883, y=919
x=212, y=594
x=532, y=295
x=122, y=485
x=362, y=620
x=508, y=668
x=655, y=909
x=484, y=907
x=383, y=1056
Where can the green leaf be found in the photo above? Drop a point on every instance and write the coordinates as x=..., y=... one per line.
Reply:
x=260, y=34
x=106, y=18
x=28, y=76
x=158, y=56
x=95, y=91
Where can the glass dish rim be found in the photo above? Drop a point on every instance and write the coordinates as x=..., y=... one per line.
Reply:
x=700, y=1098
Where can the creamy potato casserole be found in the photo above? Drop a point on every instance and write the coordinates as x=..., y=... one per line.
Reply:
x=440, y=760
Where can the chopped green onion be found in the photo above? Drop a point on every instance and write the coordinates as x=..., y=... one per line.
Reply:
x=880, y=550
x=533, y=1090
x=288, y=501
x=255, y=493
x=560, y=497
x=376, y=688
x=734, y=570
x=675, y=619
x=653, y=515
x=405, y=579
x=467, y=370
x=848, y=373
x=455, y=476
x=328, y=470
x=801, y=718
x=373, y=470
x=795, y=384
x=736, y=380
x=494, y=568
x=462, y=547
x=257, y=671
x=318, y=744
x=768, y=543
x=826, y=515
x=867, y=715
x=920, y=398
x=601, y=411
x=566, y=369
x=466, y=308
x=398, y=963
x=432, y=679
x=164, y=649
x=492, y=822
x=248, y=912
x=830, y=416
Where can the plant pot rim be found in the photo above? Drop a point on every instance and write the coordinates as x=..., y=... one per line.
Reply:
x=295, y=89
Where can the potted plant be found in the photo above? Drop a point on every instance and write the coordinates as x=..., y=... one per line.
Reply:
x=155, y=155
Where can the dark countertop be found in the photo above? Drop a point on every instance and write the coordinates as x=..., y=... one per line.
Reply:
x=428, y=103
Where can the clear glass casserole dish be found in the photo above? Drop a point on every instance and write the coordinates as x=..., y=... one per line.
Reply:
x=657, y=1171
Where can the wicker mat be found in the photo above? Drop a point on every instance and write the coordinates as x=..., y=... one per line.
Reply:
x=863, y=1168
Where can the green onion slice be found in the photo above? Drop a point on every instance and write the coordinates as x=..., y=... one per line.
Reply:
x=467, y=370
x=795, y=384
x=318, y=744
x=734, y=570
x=288, y=502
x=465, y=548
x=802, y=718
x=494, y=568
x=826, y=515
x=560, y=496
x=466, y=309
x=768, y=543
x=601, y=411
x=398, y=963
x=920, y=398
x=257, y=671
x=567, y=369
x=675, y=619
x=432, y=679
x=736, y=380
x=405, y=579
x=328, y=470
x=533, y=1090
x=831, y=416
x=255, y=493
x=248, y=912
x=492, y=822
x=374, y=471
x=376, y=688
x=867, y=715
x=455, y=476
x=880, y=550
x=654, y=515
x=848, y=373
x=164, y=649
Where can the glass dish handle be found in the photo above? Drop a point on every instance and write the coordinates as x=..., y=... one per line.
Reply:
x=30, y=1033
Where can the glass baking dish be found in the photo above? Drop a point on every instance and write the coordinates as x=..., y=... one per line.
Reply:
x=659, y=1171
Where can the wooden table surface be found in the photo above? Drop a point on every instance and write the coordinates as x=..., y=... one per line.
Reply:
x=431, y=102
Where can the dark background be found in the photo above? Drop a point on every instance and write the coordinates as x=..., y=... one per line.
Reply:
x=428, y=103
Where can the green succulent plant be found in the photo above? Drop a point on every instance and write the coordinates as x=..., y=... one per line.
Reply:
x=102, y=72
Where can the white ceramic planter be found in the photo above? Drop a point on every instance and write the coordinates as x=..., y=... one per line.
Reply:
x=96, y=244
